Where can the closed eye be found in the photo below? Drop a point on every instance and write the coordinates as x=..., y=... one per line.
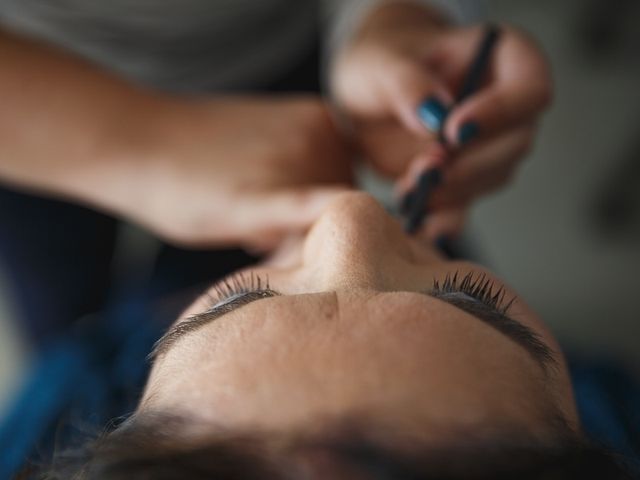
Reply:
x=492, y=316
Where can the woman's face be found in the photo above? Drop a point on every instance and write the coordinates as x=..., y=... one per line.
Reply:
x=351, y=323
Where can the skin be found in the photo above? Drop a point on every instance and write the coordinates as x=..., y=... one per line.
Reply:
x=351, y=337
x=177, y=164
x=172, y=164
x=405, y=52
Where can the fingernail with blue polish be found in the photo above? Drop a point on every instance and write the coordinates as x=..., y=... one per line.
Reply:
x=467, y=132
x=433, y=113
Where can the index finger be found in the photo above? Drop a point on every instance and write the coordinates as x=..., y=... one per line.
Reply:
x=519, y=88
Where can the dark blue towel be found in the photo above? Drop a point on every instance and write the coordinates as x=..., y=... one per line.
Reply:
x=87, y=377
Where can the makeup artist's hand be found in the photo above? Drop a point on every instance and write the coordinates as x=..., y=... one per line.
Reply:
x=405, y=56
x=238, y=171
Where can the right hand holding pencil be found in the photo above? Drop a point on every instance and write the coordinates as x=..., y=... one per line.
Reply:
x=398, y=81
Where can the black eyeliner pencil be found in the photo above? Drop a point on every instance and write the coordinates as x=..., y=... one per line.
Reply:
x=480, y=63
x=419, y=195
x=418, y=199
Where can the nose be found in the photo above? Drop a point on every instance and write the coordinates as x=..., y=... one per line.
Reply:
x=356, y=242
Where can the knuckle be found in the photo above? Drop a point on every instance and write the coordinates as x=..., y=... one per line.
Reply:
x=502, y=105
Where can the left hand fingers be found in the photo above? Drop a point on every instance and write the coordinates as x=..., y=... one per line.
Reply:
x=520, y=87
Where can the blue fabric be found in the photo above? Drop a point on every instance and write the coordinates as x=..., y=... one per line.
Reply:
x=45, y=394
x=88, y=377
x=608, y=401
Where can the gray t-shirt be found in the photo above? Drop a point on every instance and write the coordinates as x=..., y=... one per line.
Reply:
x=191, y=45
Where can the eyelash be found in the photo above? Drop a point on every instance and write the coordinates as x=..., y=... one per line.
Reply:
x=478, y=287
x=239, y=285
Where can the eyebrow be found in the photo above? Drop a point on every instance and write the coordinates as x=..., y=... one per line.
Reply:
x=500, y=321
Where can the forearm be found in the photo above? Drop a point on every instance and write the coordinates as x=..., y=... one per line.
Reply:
x=66, y=127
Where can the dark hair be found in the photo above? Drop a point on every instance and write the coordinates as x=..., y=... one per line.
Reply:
x=145, y=449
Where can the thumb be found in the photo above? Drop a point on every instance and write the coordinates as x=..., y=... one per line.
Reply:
x=271, y=215
x=417, y=97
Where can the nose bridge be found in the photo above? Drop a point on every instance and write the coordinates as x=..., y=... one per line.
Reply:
x=353, y=244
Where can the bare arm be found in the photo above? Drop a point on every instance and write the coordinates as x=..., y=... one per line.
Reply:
x=67, y=128
x=197, y=171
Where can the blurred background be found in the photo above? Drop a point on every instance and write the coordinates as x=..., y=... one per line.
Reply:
x=566, y=233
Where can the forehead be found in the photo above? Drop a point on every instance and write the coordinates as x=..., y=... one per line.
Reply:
x=331, y=351
x=354, y=324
